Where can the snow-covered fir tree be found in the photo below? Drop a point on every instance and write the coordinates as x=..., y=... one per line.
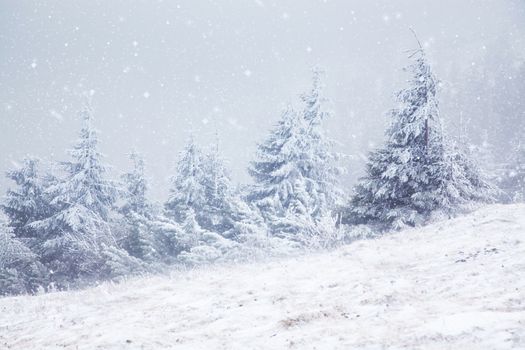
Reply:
x=27, y=202
x=296, y=173
x=139, y=240
x=279, y=191
x=210, y=215
x=319, y=163
x=417, y=172
x=203, y=246
x=170, y=238
x=218, y=192
x=202, y=183
x=20, y=271
x=72, y=238
x=187, y=185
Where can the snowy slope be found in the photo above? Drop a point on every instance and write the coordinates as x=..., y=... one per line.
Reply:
x=458, y=284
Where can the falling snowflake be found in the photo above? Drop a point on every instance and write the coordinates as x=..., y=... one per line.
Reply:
x=248, y=73
x=146, y=94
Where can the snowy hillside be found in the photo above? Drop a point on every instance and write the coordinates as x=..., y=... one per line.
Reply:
x=457, y=284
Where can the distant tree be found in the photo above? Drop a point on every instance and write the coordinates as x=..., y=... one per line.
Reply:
x=418, y=171
x=484, y=155
x=139, y=240
x=513, y=182
x=218, y=191
x=73, y=236
x=187, y=185
x=319, y=163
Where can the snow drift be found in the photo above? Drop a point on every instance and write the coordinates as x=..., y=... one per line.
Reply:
x=457, y=284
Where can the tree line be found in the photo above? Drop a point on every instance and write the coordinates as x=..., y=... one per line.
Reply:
x=76, y=226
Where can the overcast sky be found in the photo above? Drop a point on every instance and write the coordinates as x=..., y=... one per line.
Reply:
x=160, y=70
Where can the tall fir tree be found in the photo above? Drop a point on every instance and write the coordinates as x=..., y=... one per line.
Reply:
x=296, y=173
x=418, y=171
x=319, y=163
x=218, y=191
x=74, y=236
x=187, y=190
x=279, y=189
x=139, y=240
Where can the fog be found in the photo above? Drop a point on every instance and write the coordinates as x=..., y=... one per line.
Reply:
x=160, y=71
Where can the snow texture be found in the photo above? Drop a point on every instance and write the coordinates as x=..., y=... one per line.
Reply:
x=456, y=284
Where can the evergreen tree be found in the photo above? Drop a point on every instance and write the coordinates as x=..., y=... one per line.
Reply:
x=218, y=191
x=28, y=202
x=20, y=271
x=73, y=236
x=202, y=246
x=139, y=240
x=118, y=263
x=296, y=173
x=170, y=237
x=418, y=171
x=187, y=186
x=136, y=188
x=319, y=162
x=227, y=212
x=280, y=187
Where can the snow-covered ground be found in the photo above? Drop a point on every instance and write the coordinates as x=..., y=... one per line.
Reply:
x=457, y=284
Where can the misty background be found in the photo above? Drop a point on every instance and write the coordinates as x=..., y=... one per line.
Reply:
x=160, y=71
